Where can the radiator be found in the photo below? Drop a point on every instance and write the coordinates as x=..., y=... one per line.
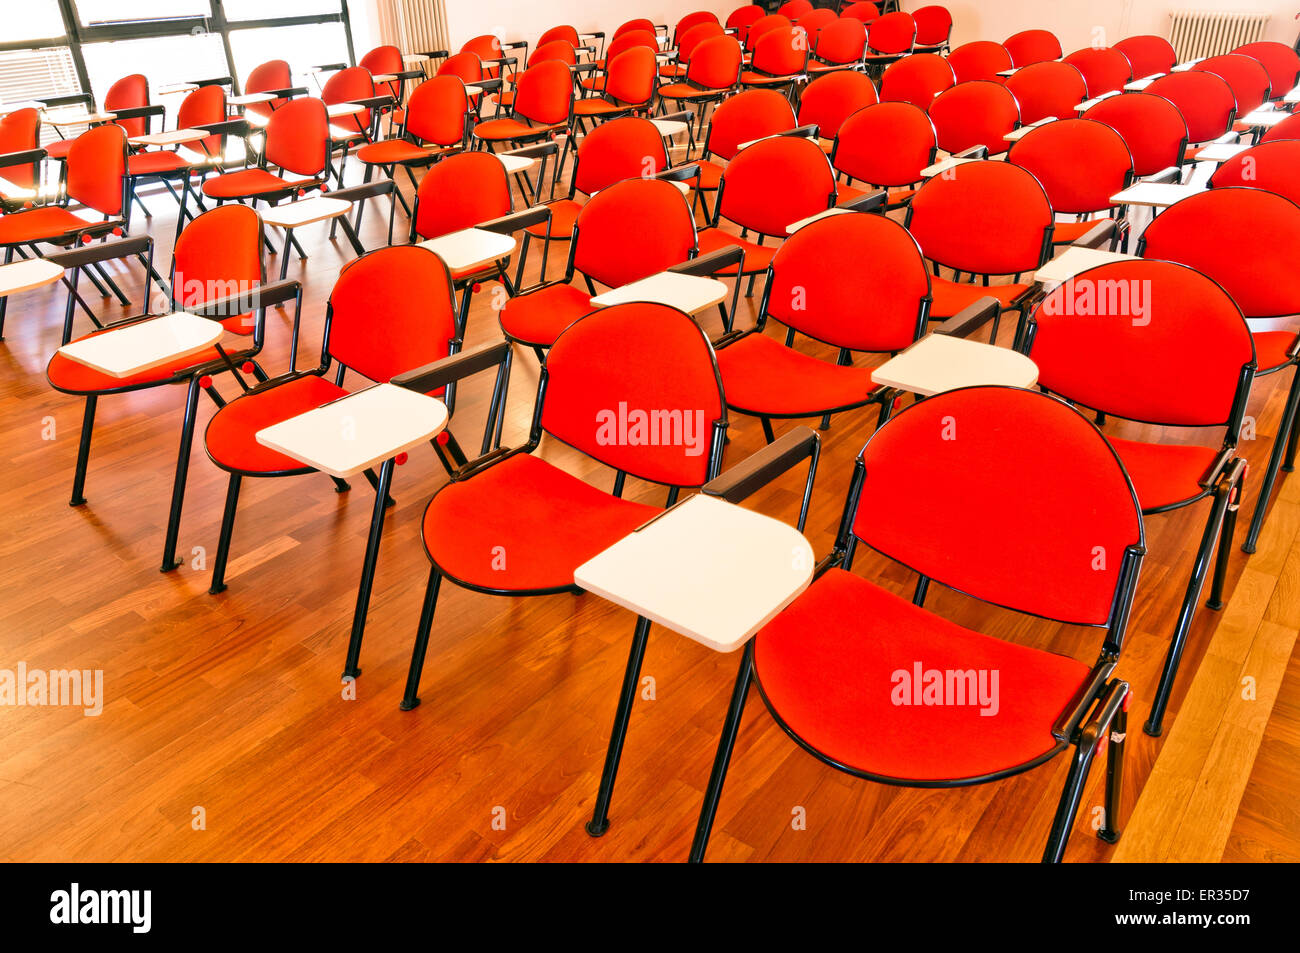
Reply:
x=1200, y=33
x=414, y=26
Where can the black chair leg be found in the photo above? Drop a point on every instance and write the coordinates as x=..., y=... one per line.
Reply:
x=411, y=697
x=227, y=530
x=83, y=452
x=599, y=822
x=721, y=760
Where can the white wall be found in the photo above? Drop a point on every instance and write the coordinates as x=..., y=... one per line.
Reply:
x=1075, y=22
x=528, y=19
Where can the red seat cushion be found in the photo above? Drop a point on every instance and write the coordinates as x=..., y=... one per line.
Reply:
x=951, y=296
x=39, y=224
x=1164, y=473
x=390, y=151
x=249, y=182
x=499, y=129
x=74, y=377
x=563, y=214
x=538, y=318
x=231, y=435
x=757, y=257
x=762, y=376
x=1271, y=348
x=151, y=163
x=523, y=525
x=829, y=666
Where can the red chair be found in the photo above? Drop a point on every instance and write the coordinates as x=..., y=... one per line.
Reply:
x=1033, y=46
x=978, y=113
x=865, y=12
x=1206, y=101
x=889, y=39
x=885, y=146
x=856, y=282
x=933, y=29
x=1104, y=69
x=780, y=59
x=1148, y=55
x=982, y=59
x=273, y=76
x=1047, y=89
x=1130, y=357
x=745, y=117
x=839, y=45
x=1252, y=255
x=713, y=72
x=630, y=230
x=742, y=18
x=1153, y=129
x=620, y=149
x=825, y=665
x=766, y=187
x=830, y=99
x=985, y=218
x=638, y=355
x=219, y=251
x=542, y=105
x=916, y=79
x=1244, y=74
x=1080, y=164
x=1269, y=166
x=1281, y=62
x=390, y=311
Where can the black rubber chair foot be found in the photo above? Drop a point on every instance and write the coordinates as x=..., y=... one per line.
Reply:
x=1155, y=731
x=597, y=830
x=409, y=705
x=1110, y=837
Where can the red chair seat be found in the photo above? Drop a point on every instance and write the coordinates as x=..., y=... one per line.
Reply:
x=58, y=149
x=1271, y=348
x=39, y=224
x=827, y=666
x=685, y=91
x=499, y=129
x=1164, y=473
x=152, y=163
x=231, y=435
x=524, y=525
x=563, y=214
x=390, y=151
x=538, y=318
x=951, y=296
x=76, y=378
x=248, y=182
x=761, y=376
x=757, y=257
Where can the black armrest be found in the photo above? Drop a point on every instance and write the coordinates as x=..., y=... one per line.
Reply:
x=683, y=173
x=970, y=317
x=231, y=127
x=713, y=262
x=214, y=81
x=867, y=203
x=374, y=102
x=533, y=152
x=255, y=299
x=974, y=152
x=1172, y=175
x=761, y=468
x=430, y=377
x=367, y=190
x=1100, y=234
x=508, y=224
x=25, y=157
x=104, y=251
